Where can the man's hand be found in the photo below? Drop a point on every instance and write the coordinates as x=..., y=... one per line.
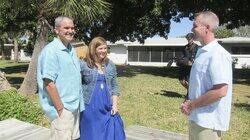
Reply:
x=60, y=112
x=187, y=107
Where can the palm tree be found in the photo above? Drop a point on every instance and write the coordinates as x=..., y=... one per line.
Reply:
x=81, y=10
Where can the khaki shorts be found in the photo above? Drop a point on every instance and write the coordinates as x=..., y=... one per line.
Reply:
x=65, y=127
x=197, y=132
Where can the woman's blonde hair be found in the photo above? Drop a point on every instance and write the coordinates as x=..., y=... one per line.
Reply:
x=91, y=55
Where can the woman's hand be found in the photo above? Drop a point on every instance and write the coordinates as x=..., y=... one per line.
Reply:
x=114, y=106
x=114, y=110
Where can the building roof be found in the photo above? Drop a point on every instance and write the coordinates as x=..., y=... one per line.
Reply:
x=159, y=41
x=235, y=40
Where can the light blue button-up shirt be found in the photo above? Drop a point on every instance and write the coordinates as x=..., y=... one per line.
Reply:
x=61, y=65
x=212, y=66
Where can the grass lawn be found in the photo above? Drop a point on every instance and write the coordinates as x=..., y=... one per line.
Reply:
x=151, y=97
x=14, y=71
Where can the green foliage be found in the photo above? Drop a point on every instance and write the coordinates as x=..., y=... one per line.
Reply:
x=230, y=12
x=14, y=105
x=242, y=31
x=223, y=32
x=132, y=20
x=85, y=10
x=119, y=19
x=18, y=17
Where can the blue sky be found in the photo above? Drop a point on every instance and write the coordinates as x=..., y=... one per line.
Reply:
x=180, y=28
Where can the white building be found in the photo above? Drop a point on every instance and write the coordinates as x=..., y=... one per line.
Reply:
x=239, y=47
x=158, y=51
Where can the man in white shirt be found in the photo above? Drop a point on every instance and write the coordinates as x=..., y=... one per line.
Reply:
x=210, y=83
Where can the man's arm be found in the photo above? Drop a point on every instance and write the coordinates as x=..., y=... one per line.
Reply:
x=54, y=95
x=213, y=95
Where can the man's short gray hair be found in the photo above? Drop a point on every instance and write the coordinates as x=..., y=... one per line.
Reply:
x=209, y=18
x=59, y=19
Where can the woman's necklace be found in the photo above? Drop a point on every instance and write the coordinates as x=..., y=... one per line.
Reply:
x=100, y=71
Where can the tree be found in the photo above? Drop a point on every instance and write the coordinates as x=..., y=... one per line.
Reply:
x=132, y=20
x=223, y=32
x=3, y=37
x=4, y=84
x=128, y=19
x=15, y=19
x=84, y=10
x=233, y=13
x=242, y=31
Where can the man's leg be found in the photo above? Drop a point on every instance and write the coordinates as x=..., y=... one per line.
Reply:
x=197, y=132
x=76, y=126
x=62, y=127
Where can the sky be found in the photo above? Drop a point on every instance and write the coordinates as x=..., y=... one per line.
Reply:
x=180, y=28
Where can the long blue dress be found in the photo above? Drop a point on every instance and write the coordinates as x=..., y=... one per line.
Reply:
x=96, y=122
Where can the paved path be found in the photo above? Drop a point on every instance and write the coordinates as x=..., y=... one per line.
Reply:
x=12, y=129
x=144, y=133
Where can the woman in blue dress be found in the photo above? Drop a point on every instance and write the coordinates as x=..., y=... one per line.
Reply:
x=100, y=120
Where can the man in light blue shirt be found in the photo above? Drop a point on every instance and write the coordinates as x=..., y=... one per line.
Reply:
x=210, y=83
x=59, y=82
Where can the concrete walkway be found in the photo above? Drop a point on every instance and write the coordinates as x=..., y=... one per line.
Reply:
x=144, y=133
x=12, y=129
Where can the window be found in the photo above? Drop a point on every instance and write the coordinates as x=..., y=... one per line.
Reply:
x=144, y=54
x=133, y=53
x=156, y=54
x=167, y=54
x=153, y=53
x=240, y=50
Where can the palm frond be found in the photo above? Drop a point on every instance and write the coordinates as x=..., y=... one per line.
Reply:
x=87, y=10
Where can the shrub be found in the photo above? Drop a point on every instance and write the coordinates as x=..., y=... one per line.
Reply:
x=14, y=105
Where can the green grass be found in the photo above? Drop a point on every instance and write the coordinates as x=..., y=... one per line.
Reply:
x=14, y=105
x=151, y=97
x=8, y=63
x=14, y=71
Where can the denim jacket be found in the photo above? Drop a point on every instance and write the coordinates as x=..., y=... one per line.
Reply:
x=89, y=79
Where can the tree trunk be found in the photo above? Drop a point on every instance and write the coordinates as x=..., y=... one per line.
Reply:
x=15, y=50
x=2, y=50
x=29, y=85
x=4, y=84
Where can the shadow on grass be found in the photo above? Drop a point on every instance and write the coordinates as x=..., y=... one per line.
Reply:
x=241, y=76
x=130, y=71
x=15, y=81
x=15, y=69
x=171, y=94
x=245, y=106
